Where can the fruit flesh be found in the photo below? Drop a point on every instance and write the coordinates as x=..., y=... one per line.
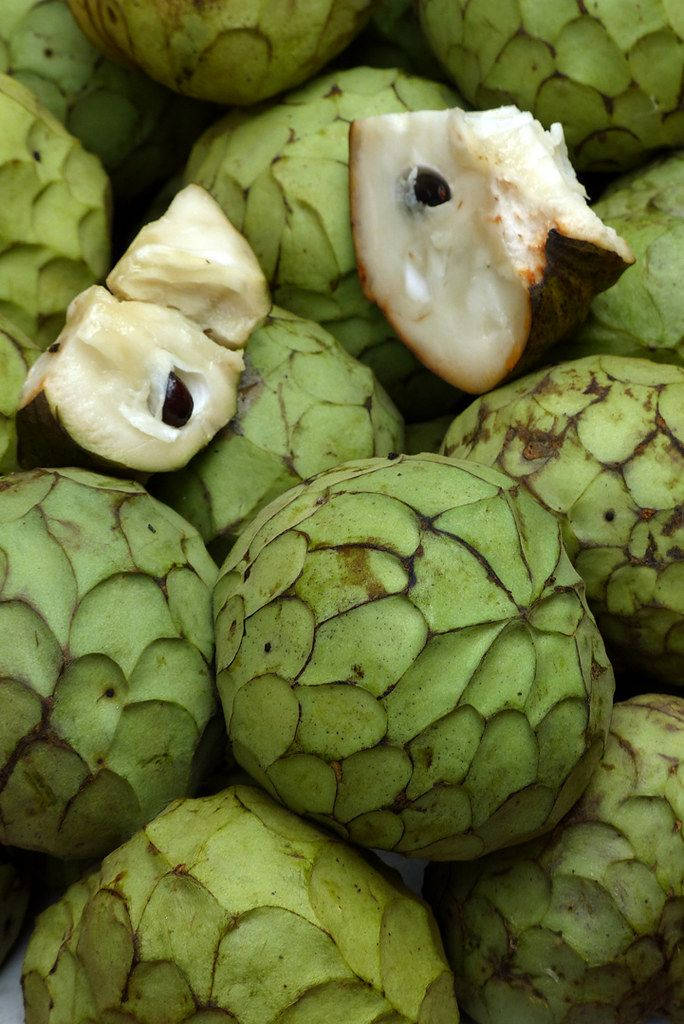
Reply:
x=494, y=252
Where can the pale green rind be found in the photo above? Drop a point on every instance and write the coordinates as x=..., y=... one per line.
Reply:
x=404, y=653
x=54, y=215
x=585, y=924
x=643, y=314
x=107, y=699
x=139, y=130
x=14, y=896
x=281, y=176
x=230, y=910
x=599, y=441
x=237, y=52
x=609, y=70
x=17, y=354
x=304, y=406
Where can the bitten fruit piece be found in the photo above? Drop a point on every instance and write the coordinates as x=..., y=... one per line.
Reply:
x=126, y=385
x=194, y=260
x=474, y=237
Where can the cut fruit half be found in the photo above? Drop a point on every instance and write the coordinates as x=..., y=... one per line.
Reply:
x=474, y=237
x=127, y=385
x=194, y=260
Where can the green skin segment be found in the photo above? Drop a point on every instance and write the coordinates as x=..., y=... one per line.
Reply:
x=236, y=52
x=362, y=690
x=288, y=926
x=107, y=703
x=643, y=314
x=17, y=354
x=610, y=71
x=304, y=406
x=139, y=130
x=14, y=896
x=281, y=176
x=599, y=441
x=585, y=924
x=54, y=215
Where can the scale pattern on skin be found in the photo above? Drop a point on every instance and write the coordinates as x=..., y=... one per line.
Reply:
x=404, y=652
x=585, y=924
x=609, y=70
x=107, y=701
x=296, y=928
x=600, y=442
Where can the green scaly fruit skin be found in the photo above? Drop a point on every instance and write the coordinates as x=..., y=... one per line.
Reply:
x=404, y=653
x=17, y=354
x=138, y=129
x=599, y=441
x=643, y=314
x=304, y=406
x=287, y=925
x=281, y=176
x=54, y=215
x=238, y=52
x=586, y=924
x=14, y=897
x=107, y=701
x=426, y=437
x=609, y=70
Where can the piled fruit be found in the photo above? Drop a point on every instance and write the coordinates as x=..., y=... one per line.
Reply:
x=337, y=510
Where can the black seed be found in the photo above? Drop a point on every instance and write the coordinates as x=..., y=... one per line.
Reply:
x=267, y=647
x=178, y=403
x=430, y=188
x=36, y=156
x=609, y=516
x=109, y=693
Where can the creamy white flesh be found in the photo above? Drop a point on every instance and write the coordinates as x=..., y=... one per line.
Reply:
x=107, y=381
x=194, y=260
x=453, y=279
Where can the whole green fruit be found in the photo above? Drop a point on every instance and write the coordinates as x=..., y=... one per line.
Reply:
x=599, y=442
x=404, y=653
x=281, y=176
x=304, y=406
x=643, y=314
x=139, y=130
x=14, y=897
x=233, y=52
x=17, y=354
x=54, y=215
x=107, y=705
x=587, y=923
x=609, y=70
x=230, y=909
